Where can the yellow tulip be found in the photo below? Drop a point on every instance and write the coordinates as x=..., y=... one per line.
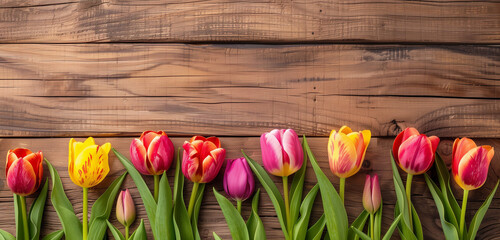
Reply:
x=88, y=162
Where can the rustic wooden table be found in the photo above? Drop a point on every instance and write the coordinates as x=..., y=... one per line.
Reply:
x=112, y=69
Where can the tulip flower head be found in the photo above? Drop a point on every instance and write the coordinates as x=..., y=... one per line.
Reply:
x=346, y=151
x=470, y=163
x=282, y=152
x=238, y=179
x=23, y=171
x=414, y=152
x=202, y=158
x=152, y=153
x=88, y=162
x=125, y=208
x=371, y=194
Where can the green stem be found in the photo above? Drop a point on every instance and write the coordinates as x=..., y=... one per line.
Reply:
x=238, y=203
x=372, y=226
x=126, y=232
x=192, y=199
x=409, y=179
x=157, y=187
x=342, y=187
x=85, y=212
x=462, y=215
x=287, y=206
x=25, y=218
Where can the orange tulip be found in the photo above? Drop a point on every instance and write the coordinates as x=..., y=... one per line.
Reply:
x=470, y=163
x=24, y=171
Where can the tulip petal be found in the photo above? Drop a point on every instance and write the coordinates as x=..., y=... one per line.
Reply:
x=293, y=149
x=345, y=130
x=473, y=168
x=367, y=195
x=21, y=178
x=212, y=164
x=238, y=176
x=400, y=138
x=434, y=143
x=415, y=154
x=191, y=163
x=138, y=157
x=71, y=159
x=460, y=148
x=272, y=154
x=376, y=195
x=161, y=154
x=215, y=141
x=35, y=159
x=91, y=166
x=343, y=158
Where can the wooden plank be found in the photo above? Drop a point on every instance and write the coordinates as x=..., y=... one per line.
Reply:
x=377, y=161
x=242, y=90
x=62, y=21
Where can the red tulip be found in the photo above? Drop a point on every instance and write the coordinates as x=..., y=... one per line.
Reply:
x=125, y=208
x=152, y=153
x=24, y=171
x=414, y=152
x=470, y=163
x=238, y=179
x=282, y=153
x=202, y=158
x=371, y=195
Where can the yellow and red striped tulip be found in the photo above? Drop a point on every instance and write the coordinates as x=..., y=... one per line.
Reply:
x=346, y=151
x=414, y=152
x=202, y=158
x=23, y=171
x=152, y=153
x=88, y=162
x=282, y=152
x=470, y=163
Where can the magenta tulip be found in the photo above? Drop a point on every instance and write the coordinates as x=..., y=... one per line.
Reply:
x=238, y=179
x=152, y=153
x=23, y=171
x=282, y=153
x=371, y=195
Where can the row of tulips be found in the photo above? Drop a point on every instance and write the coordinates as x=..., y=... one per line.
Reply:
x=283, y=155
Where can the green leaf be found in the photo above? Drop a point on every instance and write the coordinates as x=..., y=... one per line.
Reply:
x=72, y=226
x=401, y=204
x=391, y=229
x=452, y=209
x=378, y=222
x=101, y=210
x=146, y=196
x=182, y=224
x=140, y=232
x=417, y=226
x=272, y=191
x=316, y=230
x=216, y=237
x=196, y=211
x=6, y=236
x=335, y=213
x=450, y=230
x=478, y=217
x=300, y=228
x=36, y=212
x=296, y=190
x=54, y=235
x=164, y=210
x=233, y=218
x=254, y=223
x=116, y=233
x=359, y=223
x=403, y=228
x=361, y=234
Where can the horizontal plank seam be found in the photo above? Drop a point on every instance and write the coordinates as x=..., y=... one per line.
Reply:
x=273, y=42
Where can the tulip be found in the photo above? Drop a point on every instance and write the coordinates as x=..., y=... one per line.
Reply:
x=201, y=162
x=125, y=210
x=470, y=168
x=238, y=180
x=282, y=153
x=346, y=153
x=87, y=167
x=152, y=154
x=23, y=172
x=372, y=199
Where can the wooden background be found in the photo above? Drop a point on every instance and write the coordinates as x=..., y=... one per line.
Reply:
x=234, y=69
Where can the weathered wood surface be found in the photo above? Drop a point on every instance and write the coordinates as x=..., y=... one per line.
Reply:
x=57, y=21
x=211, y=218
x=243, y=90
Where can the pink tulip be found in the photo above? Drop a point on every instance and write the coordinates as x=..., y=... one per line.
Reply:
x=470, y=163
x=371, y=195
x=152, y=153
x=125, y=208
x=202, y=158
x=414, y=152
x=282, y=153
x=238, y=179
x=24, y=171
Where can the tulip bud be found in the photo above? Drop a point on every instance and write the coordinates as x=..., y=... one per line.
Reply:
x=346, y=151
x=88, y=162
x=23, y=171
x=470, y=163
x=202, y=158
x=238, y=179
x=152, y=153
x=282, y=153
x=371, y=195
x=125, y=208
x=414, y=152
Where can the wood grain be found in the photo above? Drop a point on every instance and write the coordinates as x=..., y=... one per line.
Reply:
x=377, y=161
x=62, y=21
x=243, y=90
